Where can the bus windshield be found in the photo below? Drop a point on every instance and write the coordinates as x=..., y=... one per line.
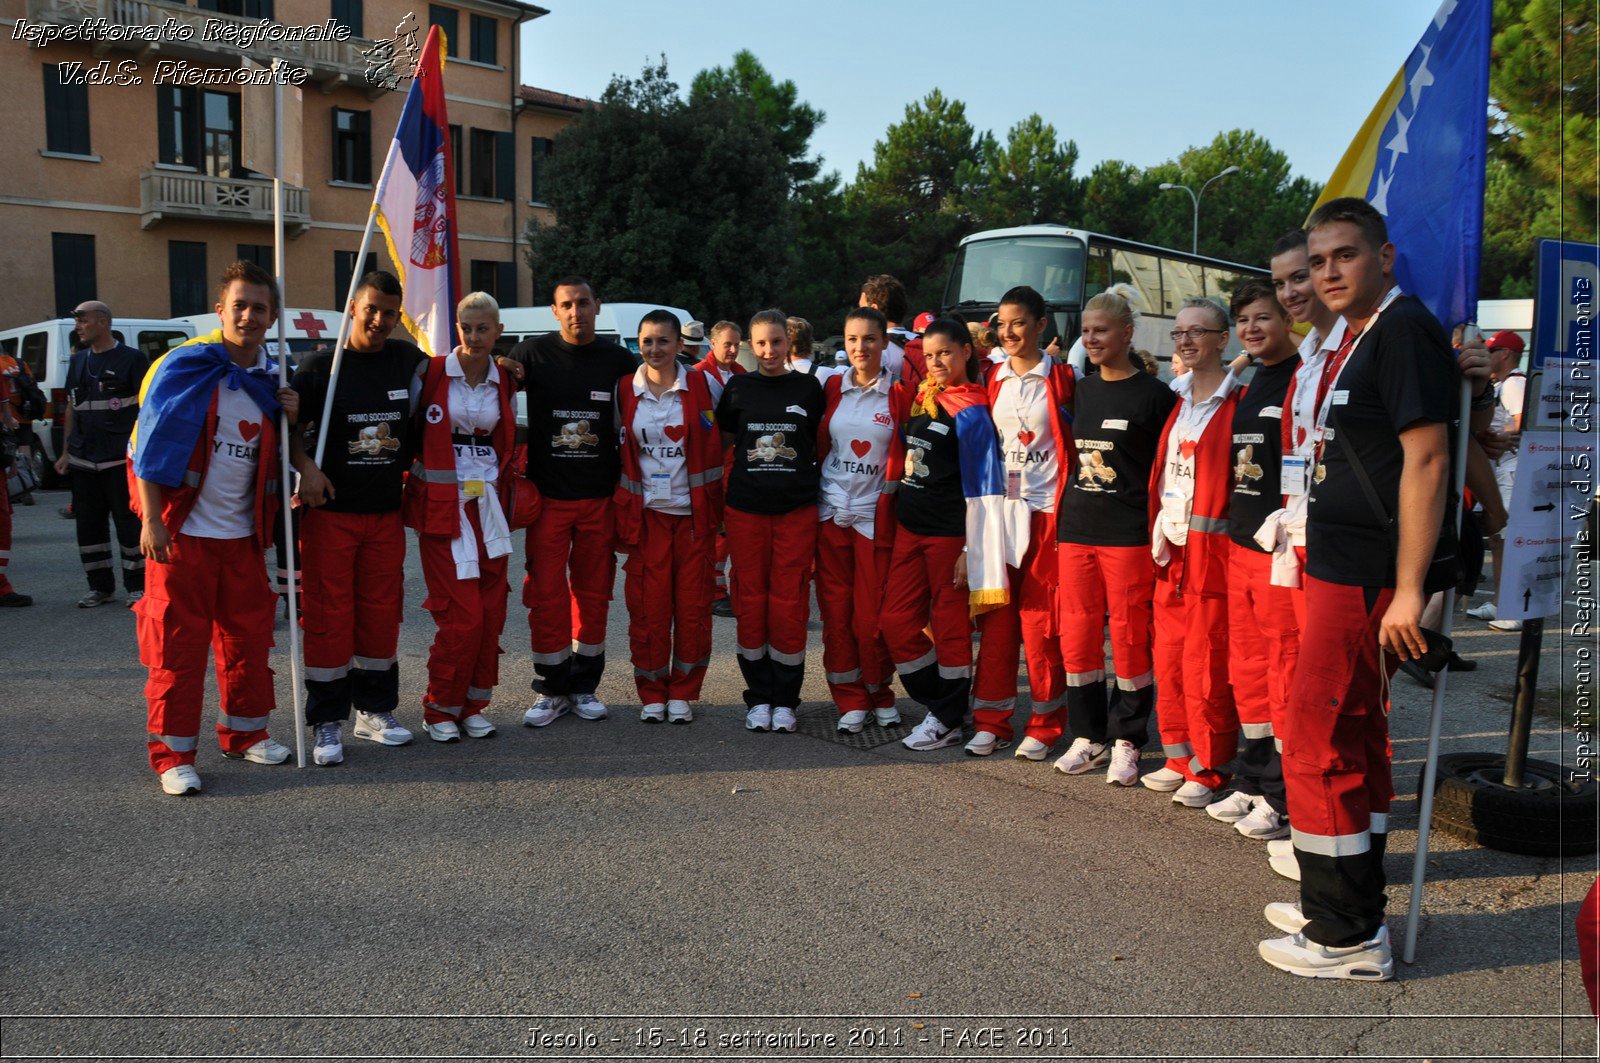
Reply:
x=985, y=270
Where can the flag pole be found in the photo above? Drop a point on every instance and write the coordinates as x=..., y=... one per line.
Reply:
x=344, y=326
x=284, y=479
x=1430, y=767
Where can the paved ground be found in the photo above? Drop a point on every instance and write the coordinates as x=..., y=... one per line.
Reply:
x=576, y=887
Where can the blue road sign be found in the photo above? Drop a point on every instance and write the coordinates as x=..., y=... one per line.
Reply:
x=1564, y=309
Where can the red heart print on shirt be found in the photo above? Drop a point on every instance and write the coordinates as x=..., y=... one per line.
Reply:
x=861, y=447
x=1026, y=437
x=1187, y=448
x=248, y=429
x=674, y=432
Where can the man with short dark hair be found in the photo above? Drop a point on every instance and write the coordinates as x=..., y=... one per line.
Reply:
x=1379, y=542
x=353, y=544
x=570, y=379
x=103, y=381
x=888, y=296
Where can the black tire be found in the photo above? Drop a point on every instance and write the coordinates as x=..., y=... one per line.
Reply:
x=1551, y=816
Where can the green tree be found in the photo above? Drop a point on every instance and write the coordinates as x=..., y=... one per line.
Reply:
x=661, y=201
x=1117, y=200
x=775, y=104
x=1027, y=180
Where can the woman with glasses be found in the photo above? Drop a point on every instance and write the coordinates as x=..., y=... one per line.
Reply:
x=1189, y=491
x=1103, y=552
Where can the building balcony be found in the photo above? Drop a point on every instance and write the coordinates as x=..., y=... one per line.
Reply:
x=165, y=194
x=330, y=63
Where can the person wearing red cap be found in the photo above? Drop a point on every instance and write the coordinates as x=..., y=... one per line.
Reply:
x=1510, y=386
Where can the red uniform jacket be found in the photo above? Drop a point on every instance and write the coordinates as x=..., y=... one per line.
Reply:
x=1062, y=384
x=702, y=454
x=894, y=468
x=430, y=503
x=1205, y=555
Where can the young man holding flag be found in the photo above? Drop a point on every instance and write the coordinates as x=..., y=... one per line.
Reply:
x=205, y=484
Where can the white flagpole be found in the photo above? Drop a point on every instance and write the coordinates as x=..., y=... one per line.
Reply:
x=283, y=419
x=1430, y=767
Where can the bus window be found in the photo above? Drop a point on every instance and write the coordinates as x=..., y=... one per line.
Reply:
x=1143, y=272
x=35, y=346
x=154, y=343
x=1222, y=283
x=1180, y=281
x=1097, y=272
x=985, y=270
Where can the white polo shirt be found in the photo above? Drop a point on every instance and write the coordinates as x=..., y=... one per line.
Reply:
x=859, y=433
x=226, y=503
x=1021, y=412
x=660, y=434
x=1314, y=353
x=1177, y=471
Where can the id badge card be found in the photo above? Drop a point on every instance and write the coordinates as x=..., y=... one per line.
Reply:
x=1293, y=479
x=1174, y=507
x=472, y=488
x=1013, y=484
x=658, y=487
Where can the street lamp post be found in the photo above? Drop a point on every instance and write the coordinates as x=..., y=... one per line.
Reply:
x=1167, y=186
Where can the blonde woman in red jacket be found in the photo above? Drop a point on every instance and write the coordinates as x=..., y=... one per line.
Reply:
x=669, y=507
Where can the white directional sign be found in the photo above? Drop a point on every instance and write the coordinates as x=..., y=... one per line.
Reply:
x=1554, y=482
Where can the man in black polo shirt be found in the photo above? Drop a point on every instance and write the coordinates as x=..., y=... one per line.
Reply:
x=103, y=381
x=1379, y=542
x=570, y=379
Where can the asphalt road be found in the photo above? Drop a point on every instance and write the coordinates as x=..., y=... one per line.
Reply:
x=567, y=891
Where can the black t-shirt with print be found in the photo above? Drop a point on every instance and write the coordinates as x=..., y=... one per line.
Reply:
x=572, y=433
x=1117, y=428
x=1401, y=373
x=931, y=499
x=370, y=443
x=773, y=422
x=1258, y=451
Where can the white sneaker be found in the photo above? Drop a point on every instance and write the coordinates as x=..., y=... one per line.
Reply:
x=1505, y=625
x=853, y=721
x=95, y=599
x=1263, y=824
x=1280, y=847
x=328, y=747
x=889, y=717
x=444, y=732
x=783, y=719
x=655, y=712
x=1124, y=770
x=547, y=710
x=1082, y=756
x=1231, y=809
x=758, y=718
x=477, y=726
x=1163, y=780
x=1031, y=748
x=180, y=780
x=1287, y=866
x=380, y=727
x=983, y=743
x=1286, y=916
x=589, y=707
x=265, y=751
x=1486, y=611
x=1193, y=795
x=1370, y=961
x=931, y=734
x=678, y=711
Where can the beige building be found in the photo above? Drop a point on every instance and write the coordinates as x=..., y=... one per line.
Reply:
x=126, y=183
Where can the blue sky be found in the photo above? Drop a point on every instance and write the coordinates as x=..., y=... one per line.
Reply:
x=1138, y=82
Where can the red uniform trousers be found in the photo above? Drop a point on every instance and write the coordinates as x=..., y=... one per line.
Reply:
x=569, y=640
x=921, y=594
x=1094, y=583
x=720, y=571
x=1263, y=647
x=667, y=587
x=1195, y=713
x=1589, y=945
x=1336, y=762
x=1029, y=622
x=772, y=600
x=354, y=587
x=5, y=538
x=464, y=660
x=851, y=570
x=214, y=594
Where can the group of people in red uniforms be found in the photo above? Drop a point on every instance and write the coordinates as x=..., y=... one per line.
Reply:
x=1210, y=527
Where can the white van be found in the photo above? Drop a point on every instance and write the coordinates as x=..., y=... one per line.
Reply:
x=525, y=322
x=46, y=347
x=628, y=316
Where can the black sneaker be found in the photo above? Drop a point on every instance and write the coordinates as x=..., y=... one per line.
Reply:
x=722, y=607
x=13, y=600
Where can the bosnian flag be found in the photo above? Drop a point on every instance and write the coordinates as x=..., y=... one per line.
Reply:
x=415, y=206
x=1419, y=159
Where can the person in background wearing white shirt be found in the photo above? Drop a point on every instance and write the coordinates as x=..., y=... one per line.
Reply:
x=856, y=534
x=457, y=499
x=669, y=507
x=1511, y=385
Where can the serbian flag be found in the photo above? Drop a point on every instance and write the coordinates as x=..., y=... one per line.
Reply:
x=1419, y=159
x=415, y=206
